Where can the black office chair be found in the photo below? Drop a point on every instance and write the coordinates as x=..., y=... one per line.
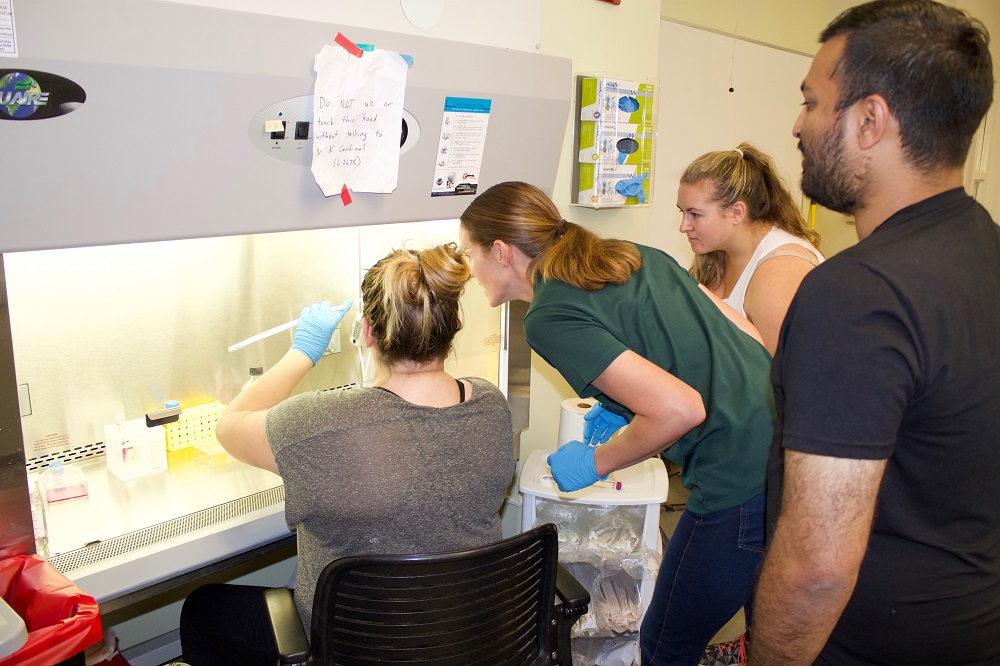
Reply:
x=493, y=605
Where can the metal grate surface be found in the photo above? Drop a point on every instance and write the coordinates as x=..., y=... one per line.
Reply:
x=132, y=541
x=88, y=451
x=74, y=454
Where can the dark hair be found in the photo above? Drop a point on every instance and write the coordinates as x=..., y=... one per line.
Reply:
x=745, y=174
x=411, y=299
x=523, y=216
x=932, y=65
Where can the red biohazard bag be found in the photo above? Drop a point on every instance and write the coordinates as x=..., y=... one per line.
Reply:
x=61, y=620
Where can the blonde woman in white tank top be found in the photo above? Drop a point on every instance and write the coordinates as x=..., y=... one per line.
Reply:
x=753, y=247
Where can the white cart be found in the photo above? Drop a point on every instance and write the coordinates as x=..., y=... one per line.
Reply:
x=642, y=491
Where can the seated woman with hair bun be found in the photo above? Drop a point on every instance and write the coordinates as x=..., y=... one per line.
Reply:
x=419, y=462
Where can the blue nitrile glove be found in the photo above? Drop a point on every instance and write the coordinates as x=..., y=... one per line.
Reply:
x=632, y=187
x=573, y=466
x=599, y=424
x=628, y=104
x=316, y=326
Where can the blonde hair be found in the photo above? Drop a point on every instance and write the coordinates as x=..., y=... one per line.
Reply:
x=522, y=215
x=744, y=174
x=411, y=299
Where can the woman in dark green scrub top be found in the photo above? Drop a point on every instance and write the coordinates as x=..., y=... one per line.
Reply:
x=626, y=324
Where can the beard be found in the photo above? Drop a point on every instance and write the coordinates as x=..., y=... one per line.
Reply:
x=827, y=179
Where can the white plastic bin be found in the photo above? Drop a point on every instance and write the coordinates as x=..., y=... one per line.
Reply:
x=13, y=633
x=643, y=486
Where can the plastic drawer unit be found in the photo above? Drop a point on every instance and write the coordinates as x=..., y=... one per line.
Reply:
x=643, y=484
x=609, y=538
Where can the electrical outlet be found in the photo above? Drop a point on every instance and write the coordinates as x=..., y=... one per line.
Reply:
x=24, y=399
x=334, y=346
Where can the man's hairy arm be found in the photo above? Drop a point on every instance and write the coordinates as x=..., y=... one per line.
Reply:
x=812, y=563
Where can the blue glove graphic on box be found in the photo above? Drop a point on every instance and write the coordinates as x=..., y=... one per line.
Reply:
x=628, y=104
x=626, y=147
x=632, y=187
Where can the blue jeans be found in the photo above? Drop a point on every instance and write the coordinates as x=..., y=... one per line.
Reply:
x=708, y=572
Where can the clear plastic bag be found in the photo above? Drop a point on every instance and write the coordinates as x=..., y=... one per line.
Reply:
x=616, y=532
x=614, y=651
x=587, y=575
x=602, y=546
x=615, y=603
x=571, y=521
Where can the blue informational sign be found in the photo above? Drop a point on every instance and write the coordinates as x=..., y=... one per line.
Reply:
x=459, y=156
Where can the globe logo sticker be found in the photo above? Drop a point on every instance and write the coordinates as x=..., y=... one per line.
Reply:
x=27, y=95
x=20, y=95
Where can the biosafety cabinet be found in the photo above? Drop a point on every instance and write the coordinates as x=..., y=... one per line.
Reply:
x=159, y=206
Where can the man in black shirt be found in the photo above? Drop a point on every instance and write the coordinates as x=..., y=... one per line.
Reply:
x=884, y=475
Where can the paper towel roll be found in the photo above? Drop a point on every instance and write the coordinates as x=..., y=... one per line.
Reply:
x=571, y=419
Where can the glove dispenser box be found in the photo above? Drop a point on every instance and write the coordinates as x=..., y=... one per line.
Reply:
x=615, y=134
x=134, y=449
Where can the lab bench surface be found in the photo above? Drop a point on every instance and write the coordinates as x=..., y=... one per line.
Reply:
x=128, y=539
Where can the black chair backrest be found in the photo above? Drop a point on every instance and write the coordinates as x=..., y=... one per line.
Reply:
x=491, y=605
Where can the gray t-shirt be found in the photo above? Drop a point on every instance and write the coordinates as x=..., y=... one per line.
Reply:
x=367, y=472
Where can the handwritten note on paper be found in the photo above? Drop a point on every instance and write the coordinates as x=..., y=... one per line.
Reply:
x=357, y=119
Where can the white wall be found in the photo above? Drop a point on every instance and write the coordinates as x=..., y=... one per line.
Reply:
x=789, y=24
x=988, y=11
x=510, y=24
x=697, y=69
x=795, y=25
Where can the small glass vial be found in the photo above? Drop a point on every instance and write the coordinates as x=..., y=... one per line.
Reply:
x=38, y=519
x=255, y=374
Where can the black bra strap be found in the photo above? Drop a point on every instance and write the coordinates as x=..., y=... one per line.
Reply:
x=461, y=390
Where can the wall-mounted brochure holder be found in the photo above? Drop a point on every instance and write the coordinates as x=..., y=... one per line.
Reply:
x=615, y=136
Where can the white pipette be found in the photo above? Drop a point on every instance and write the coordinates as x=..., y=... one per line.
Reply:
x=277, y=329
x=617, y=485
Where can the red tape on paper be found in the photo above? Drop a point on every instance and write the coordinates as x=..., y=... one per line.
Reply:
x=351, y=47
x=345, y=195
